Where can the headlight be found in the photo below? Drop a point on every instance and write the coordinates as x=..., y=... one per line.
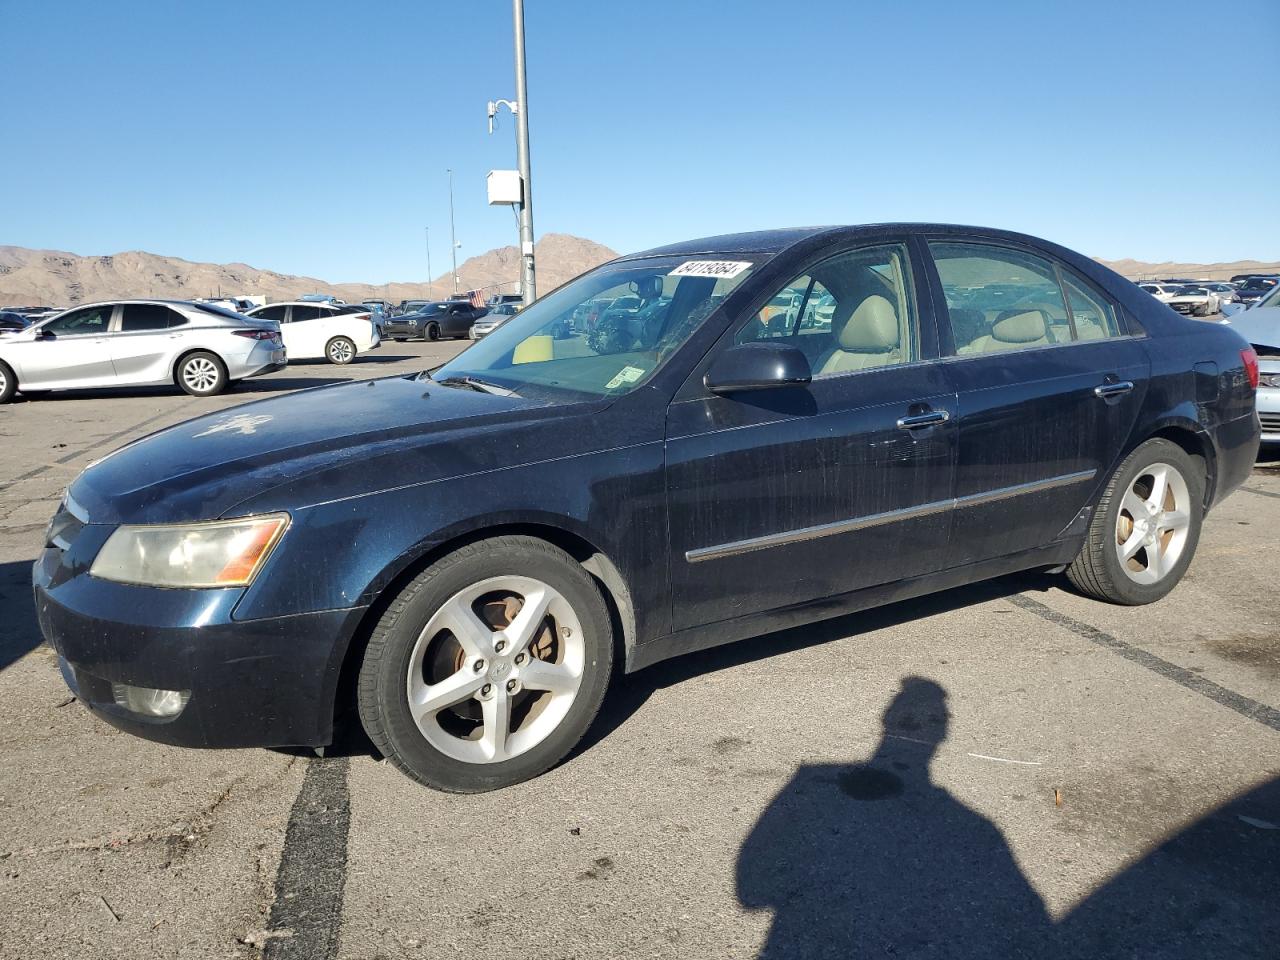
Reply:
x=221, y=553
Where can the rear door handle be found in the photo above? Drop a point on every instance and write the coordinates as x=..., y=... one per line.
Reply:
x=921, y=420
x=1106, y=390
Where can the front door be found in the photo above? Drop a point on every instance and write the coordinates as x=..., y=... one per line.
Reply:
x=789, y=495
x=72, y=351
x=1050, y=383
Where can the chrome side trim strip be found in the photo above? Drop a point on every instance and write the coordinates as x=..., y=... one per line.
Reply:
x=877, y=519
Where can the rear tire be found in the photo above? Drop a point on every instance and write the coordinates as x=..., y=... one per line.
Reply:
x=501, y=699
x=202, y=374
x=340, y=350
x=8, y=383
x=1145, y=529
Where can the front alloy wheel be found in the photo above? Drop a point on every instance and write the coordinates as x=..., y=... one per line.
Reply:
x=489, y=667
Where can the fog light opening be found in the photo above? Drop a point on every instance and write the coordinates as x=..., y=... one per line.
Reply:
x=148, y=701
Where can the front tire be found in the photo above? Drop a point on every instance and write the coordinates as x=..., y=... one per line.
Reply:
x=1145, y=529
x=488, y=668
x=8, y=383
x=340, y=350
x=432, y=332
x=202, y=374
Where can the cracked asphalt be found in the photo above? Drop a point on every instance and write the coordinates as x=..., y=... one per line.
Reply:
x=1001, y=770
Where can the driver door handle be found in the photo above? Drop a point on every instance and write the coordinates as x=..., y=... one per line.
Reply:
x=921, y=420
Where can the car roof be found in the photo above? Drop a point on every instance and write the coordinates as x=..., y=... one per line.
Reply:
x=773, y=242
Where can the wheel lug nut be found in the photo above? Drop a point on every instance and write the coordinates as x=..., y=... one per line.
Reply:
x=479, y=666
x=500, y=646
x=486, y=690
x=511, y=686
x=519, y=658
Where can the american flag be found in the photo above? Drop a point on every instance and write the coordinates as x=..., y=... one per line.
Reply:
x=477, y=298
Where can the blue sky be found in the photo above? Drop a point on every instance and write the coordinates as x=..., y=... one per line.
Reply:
x=313, y=137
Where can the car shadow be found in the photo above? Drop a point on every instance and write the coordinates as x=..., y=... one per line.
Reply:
x=361, y=358
x=629, y=693
x=876, y=858
x=19, y=631
x=283, y=384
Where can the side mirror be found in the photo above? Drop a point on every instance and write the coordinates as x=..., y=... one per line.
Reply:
x=43, y=334
x=757, y=366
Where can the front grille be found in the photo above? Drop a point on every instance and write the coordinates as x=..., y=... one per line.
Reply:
x=1270, y=422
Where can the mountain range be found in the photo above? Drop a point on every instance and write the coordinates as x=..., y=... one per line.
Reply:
x=57, y=278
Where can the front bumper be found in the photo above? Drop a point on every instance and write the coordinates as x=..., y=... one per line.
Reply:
x=394, y=329
x=252, y=683
x=1269, y=412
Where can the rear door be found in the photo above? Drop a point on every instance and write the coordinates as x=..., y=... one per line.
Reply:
x=73, y=351
x=1049, y=382
x=304, y=336
x=790, y=495
x=145, y=342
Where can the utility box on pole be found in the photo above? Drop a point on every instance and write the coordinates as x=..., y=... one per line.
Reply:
x=505, y=187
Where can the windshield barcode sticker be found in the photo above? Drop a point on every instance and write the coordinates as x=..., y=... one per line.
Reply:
x=709, y=268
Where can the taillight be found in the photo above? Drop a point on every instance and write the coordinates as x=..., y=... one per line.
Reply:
x=1250, y=358
x=255, y=334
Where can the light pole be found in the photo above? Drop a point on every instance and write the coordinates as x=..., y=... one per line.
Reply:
x=522, y=160
x=520, y=110
x=453, y=237
x=427, y=231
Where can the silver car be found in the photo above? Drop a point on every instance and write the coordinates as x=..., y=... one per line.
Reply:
x=198, y=346
x=1260, y=325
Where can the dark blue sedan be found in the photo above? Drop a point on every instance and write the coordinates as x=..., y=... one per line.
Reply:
x=779, y=427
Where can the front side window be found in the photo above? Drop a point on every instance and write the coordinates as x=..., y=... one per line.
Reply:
x=603, y=334
x=147, y=316
x=88, y=321
x=849, y=313
x=999, y=299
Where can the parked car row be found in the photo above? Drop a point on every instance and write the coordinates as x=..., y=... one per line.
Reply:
x=1203, y=298
x=201, y=347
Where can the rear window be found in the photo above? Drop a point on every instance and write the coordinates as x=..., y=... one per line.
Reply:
x=217, y=311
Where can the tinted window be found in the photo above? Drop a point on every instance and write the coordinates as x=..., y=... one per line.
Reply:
x=222, y=311
x=90, y=320
x=850, y=313
x=1000, y=299
x=270, y=313
x=147, y=316
x=304, y=313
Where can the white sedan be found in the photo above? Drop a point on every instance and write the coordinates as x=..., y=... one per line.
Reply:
x=315, y=331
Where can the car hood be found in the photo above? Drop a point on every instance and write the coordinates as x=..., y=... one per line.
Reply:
x=1261, y=325
x=326, y=441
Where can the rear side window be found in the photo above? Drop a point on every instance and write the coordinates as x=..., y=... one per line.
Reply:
x=304, y=313
x=1000, y=299
x=270, y=313
x=137, y=317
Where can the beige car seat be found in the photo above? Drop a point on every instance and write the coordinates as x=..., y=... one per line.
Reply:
x=868, y=338
x=1012, y=331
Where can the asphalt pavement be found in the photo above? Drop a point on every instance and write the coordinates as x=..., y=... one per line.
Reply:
x=1006, y=769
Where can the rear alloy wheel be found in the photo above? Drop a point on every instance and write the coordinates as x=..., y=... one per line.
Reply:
x=431, y=333
x=1146, y=527
x=8, y=383
x=340, y=350
x=202, y=374
x=489, y=667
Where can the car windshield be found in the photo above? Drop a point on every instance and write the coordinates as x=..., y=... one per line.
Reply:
x=1272, y=299
x=1258, y=283
x=1191, y=291
x=603, y=334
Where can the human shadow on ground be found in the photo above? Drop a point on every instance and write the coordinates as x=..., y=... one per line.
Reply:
x=19, y=631
x=877, y=859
